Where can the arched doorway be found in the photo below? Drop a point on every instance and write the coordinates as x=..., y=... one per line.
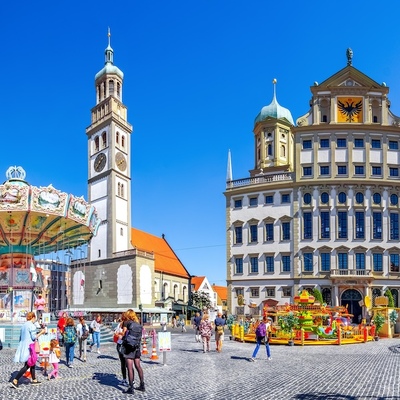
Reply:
x=350, y=299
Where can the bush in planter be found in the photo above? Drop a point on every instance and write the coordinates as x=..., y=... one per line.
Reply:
x=389, y=295
x=288, y=322
x=318, y=296
x=379, y=321
x=393, y=317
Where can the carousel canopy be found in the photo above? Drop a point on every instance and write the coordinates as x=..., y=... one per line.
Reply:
x=39, y=220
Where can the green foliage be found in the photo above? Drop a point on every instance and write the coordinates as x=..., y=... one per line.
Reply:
x=200, y=299
x=393, y=317
x=288, y=322
x=379, y=321
x=230, y=321
x=318, y=296
x=389, y=295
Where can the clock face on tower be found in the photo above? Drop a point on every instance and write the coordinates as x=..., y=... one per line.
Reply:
x=100, y=162
x=120, y=161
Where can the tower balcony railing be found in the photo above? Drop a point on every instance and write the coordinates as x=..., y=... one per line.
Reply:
x=351, y=272
x=261, y=179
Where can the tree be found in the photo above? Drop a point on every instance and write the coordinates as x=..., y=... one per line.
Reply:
x=389, y=295
x=200, y=299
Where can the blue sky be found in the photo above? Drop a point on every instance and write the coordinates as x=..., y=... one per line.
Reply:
x=196, y=76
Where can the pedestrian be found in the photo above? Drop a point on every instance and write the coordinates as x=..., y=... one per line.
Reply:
x=132, y=353
x=82, y=330
x=96, y=326
x=40, y=304
x=206, y=331
x=61, y=326
x=262, y=336
x=219, y=323
x=28, y=336
x=183, y=324
x=174, y=322
x=70, y=336
x=196, y=326
x=118, y=334
x=54, y=358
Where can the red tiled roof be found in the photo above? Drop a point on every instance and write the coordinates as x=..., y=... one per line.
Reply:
x=222, y=291
x=197, y=281
x=165, y=260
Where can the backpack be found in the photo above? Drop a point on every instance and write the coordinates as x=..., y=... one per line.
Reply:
x=133, y=335
x=32, y=355
x=85, y=332
x=261, y=330
x=69, y=334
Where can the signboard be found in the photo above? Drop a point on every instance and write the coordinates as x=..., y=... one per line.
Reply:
x=46, y=318
x=164, y=341
x=381, y=301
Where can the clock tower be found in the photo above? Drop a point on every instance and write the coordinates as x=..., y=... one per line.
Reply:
x=109, y=181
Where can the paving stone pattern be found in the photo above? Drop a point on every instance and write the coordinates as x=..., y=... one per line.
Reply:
x=367, y=371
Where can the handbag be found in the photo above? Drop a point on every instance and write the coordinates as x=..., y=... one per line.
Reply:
x=37, y=347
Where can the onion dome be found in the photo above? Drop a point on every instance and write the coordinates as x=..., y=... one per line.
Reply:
x=274, y=110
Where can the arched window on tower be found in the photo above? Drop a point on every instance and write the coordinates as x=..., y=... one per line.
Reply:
x=175, y=292
x=121, y=231
x=376, y=112
x=118, y=89
x=111, y=88
x=104, y=139
x=269, y=149
x=123, y=141
x=96, y=144
x=119, y=189
x=283, y=151
x=98, y=93
x=117, y=137
x=324, y=111
x=122, y=190
x=104, y=90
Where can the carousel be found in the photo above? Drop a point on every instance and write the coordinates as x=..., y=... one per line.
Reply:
x=34, y=222
x=306, y=322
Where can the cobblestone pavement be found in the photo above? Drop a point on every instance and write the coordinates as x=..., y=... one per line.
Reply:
x=368, y=371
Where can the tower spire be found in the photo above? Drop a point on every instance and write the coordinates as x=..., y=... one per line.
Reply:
x=229, y=167
x=274, y=81
x=109, y=53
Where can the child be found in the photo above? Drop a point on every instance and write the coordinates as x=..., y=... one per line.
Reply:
x=54, y=358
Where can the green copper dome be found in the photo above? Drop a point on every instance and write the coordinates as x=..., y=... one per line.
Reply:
x=274, y=110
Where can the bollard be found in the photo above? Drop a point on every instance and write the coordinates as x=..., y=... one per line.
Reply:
x=154, y=355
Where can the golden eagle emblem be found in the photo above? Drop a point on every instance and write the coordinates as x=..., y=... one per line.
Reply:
x=350, y=109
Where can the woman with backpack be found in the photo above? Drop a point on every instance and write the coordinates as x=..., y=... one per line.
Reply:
x=82, y=330
x=69, y=341
x=132, y=335
x=262, y=335
x=27, y=337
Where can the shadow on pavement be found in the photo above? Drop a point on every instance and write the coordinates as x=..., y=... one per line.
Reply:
x=239, y=358
x=107, y=379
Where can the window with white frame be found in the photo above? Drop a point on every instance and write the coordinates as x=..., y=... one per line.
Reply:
x=254, y=292
x=253, y=264
x=238, y=265
x=269, y=292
